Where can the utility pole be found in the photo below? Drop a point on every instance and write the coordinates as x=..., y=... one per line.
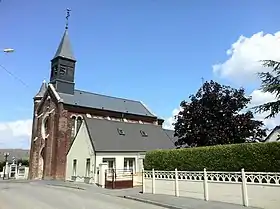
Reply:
x=6, y=155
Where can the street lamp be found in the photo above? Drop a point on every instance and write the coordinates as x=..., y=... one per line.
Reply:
x=6, y=155
x=8, y=50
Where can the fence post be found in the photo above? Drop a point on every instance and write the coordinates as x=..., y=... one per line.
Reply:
x=153, y=182
x=205, y=185
x=143, y=181
x=176, y=183
x=244, y=188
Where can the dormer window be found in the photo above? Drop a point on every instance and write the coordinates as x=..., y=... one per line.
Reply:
x=143, y=133
x=120, y=131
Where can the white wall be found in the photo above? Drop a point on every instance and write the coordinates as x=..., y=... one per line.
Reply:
x=80, y=150
x=274, y=136
x=119, y=159
x=262, y=189
x=119, y=162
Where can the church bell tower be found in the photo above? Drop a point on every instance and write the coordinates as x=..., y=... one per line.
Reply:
x=63, y=65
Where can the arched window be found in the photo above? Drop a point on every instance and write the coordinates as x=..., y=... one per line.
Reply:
x=79, y=123
x=73, y=127
x=45, y=127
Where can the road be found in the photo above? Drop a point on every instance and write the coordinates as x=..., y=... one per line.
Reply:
x=40, y=196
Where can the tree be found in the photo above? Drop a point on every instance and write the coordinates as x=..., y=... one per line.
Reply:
x=271, y=84
x=24, y=162
x=213, y=116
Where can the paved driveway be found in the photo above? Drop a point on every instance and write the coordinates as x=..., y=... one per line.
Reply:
x=40, y=196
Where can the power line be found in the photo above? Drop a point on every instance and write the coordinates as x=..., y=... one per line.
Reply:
x=13, y=75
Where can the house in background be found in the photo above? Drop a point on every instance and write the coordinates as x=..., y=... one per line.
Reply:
x=274, y=135
x=74, y=131
x=120, y=144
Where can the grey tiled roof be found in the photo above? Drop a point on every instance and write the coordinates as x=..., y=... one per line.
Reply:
x=170, y=134
x=105, y=136
x=64, y=49
x=42, y=90
x=98, y=101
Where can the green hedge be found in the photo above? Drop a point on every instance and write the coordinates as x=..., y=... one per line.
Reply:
x=250, y=156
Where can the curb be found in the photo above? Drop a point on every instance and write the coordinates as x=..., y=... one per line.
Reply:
x=152, y=202
x=66, y=186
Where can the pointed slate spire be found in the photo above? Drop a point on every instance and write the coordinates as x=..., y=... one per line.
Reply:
x=64, y=49
x=42, y=90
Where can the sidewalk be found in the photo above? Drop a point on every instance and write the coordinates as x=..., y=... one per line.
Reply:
x=173, y=202
x=166, y=201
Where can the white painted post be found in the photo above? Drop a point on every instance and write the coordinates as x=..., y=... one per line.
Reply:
x=244, y=188
x=143, y=181
x=176, y=183
x=205, y=185
x=153, y=182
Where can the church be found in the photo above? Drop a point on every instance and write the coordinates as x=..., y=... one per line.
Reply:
x=74, y=131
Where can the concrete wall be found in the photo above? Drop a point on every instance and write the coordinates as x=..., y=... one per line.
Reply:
x=80, y=151
x=263, y=195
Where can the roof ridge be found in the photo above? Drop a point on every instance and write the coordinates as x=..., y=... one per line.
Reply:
x=114, y=97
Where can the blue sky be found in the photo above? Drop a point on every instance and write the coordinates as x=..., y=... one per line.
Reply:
x=149, y=50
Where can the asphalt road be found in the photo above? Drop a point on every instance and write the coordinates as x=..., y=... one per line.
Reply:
x=39, y=196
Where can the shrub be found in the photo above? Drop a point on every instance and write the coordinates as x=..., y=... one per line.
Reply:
x=250, y=156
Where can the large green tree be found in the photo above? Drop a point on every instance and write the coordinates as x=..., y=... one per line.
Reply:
x=214, y=116
x=270, y=83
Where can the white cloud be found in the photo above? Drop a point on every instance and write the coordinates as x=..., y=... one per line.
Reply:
x=243, y=63
x=169, y=121
x=15, y=134
x=258, y=98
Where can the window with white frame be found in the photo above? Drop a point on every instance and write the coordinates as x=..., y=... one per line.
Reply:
x=129, y=164
x=110, y=161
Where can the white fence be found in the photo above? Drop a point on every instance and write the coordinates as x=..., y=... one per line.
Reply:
x=256, y=189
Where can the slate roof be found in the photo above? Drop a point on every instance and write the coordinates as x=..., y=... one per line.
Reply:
x=105, y=136
x=64, y=49
x=170, y=134
x=98, y=101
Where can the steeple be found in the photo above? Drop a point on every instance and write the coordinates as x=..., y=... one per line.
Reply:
x=63, y=65
x=64, y=49
x=42, y=90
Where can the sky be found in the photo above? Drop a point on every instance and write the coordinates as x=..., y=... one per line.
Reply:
x=155, y=51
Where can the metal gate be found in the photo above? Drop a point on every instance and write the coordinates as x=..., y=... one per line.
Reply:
x=118, y=179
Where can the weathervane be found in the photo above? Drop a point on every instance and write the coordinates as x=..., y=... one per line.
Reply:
x=67, y=17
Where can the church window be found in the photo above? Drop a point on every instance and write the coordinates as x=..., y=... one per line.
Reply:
x=73, y=127
x=45, y=127
x=120, y=131
x=79, y=123
x=143, y=133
